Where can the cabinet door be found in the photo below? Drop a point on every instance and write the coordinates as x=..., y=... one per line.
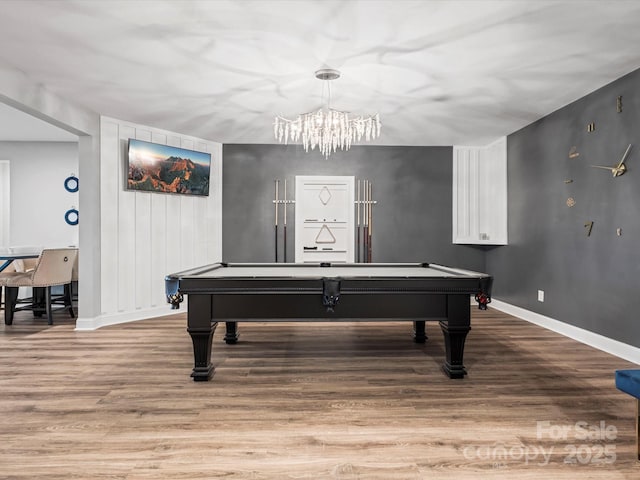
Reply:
x=480, y=194
x=324, y=219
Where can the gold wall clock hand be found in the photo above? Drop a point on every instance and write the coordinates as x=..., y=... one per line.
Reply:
x=624, y=157
x=616, y=171
x=619, y=170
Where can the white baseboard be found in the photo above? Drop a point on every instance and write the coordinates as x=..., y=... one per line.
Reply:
x=595, y=340
x=86, y=324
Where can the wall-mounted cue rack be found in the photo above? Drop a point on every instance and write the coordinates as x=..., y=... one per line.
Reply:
x=285, y=202
x=364, y=221
x=363, y=203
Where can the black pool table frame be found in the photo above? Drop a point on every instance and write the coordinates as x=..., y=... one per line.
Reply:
x=214, y=297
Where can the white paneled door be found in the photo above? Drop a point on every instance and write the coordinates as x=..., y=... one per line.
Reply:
x=324, y=219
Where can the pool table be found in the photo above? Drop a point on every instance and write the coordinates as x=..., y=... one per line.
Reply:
x=368, y=292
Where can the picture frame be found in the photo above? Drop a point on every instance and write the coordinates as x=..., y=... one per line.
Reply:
x=153, y=167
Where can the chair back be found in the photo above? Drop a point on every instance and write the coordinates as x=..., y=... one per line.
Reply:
x=54, y=267
x=74, y=272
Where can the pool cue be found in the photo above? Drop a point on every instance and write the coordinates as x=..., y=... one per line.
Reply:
x=369, y=251
x=284, y=228
x=358, y=225
x=277, y=182
x=365, y=217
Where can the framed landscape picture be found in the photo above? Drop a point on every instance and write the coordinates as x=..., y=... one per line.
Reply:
x=153, y=167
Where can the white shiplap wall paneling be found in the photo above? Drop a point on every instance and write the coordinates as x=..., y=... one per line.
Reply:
x=148, y=235
x=110, y=175
x=157, y=239
x=142, y=249
x=158, y=248
x=126, y=231
x=173, y=236
x=5, y=202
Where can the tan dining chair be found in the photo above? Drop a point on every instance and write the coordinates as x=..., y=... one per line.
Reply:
x=9, y=268
x=24, y=265
x=69, y=294
x=54, y=267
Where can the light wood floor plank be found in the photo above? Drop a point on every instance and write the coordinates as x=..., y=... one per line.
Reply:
x=307, y=401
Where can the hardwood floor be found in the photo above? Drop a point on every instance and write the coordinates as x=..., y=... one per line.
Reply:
x=309, y=401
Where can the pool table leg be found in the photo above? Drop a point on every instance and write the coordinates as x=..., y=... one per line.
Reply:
x=419, y=331
x=455, y=330
x=454, y=337
x=201, y=328
x=231, y=336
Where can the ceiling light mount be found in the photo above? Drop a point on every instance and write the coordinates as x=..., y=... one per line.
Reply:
x=327, y=74
x=327, y=128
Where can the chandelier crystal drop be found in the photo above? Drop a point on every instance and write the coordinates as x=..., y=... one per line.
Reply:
x=327, y=128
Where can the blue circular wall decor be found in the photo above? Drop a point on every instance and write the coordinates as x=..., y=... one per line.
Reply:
x=71, y=217
x=71, y=184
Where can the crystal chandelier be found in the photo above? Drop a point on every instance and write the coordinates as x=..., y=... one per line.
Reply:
x=328, y=129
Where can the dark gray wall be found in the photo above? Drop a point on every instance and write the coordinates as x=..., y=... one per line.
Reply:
x=591, y=282
x=412, y=220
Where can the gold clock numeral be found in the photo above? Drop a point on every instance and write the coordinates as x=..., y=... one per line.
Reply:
x=619, y=104
x=589, y=226
x=573, y=153
x=570, y=202
x=591, y=127
x=619, y=232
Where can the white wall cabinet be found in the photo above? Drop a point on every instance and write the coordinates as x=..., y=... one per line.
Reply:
x=480, y=194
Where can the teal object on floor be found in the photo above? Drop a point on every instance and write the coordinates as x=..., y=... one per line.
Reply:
x=628, y=381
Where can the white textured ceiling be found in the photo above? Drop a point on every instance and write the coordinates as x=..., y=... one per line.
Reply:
x=437, y=72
